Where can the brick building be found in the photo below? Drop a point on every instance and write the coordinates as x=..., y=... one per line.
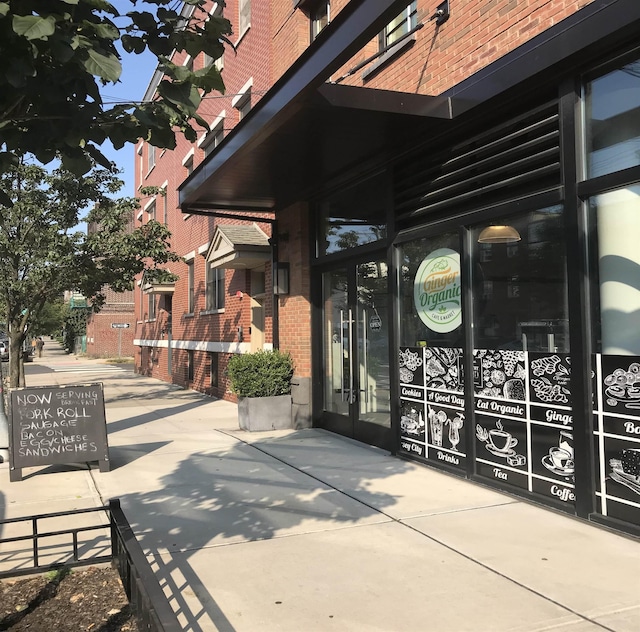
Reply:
x=110, y=332
x=454, y=188
x=186, y=331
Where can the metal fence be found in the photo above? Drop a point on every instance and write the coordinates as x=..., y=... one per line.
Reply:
x=114, y=542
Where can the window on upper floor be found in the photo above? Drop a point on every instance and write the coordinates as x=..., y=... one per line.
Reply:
x=151, y=306
x=244, y=17
x=164, y=207
x=188, y=162
x=319, y=17
x=215, y=288
x=190, y=287
x=151, y=210
x=214, y=137
x=243, y=105
x=401, y=25
x=216, y=12
x=151, y=157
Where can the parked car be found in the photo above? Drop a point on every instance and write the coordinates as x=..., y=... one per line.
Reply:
x=4, y=350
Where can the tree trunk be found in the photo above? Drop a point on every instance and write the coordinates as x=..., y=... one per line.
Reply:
x=15, y=356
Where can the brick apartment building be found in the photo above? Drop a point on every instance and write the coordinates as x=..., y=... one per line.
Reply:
x=454, y=190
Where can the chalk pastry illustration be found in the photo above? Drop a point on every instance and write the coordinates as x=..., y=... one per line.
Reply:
x=502, y=373
x=551, y=380
x=500, y=443
x=623, y=387
x=626, y=469
x=443, y=368
x=410, y=361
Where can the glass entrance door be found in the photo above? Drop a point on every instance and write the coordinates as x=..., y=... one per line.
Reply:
x=356, y=386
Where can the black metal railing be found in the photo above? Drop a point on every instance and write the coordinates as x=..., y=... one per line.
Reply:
x=40, y=538
x=148, y=602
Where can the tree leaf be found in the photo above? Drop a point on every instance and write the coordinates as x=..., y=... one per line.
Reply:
x=107, y=67
x=4, y=8
x=133, y=44
x=99, y=157
x=33, y=27
x=76, y=163
x=106, y=30
x=5, y=200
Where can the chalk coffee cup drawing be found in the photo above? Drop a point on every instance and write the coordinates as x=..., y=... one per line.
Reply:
x=501, y=440
x=561, y=459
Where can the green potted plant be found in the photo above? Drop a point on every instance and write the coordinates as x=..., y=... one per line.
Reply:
x=262, y=382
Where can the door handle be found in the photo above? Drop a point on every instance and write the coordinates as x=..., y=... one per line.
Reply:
x=364, y=387
x=342, y=352
x=352, y=392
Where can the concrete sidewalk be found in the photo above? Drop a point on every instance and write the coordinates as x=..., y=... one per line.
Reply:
x=309, y=531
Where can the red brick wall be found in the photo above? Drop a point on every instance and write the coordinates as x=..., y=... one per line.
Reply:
x=104, y=341
x=477, y=33
x=191, y=233
x=295, y=309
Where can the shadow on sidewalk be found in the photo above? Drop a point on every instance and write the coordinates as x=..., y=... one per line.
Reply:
x=241, y=493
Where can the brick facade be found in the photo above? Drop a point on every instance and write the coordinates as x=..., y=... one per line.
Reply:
x=433, y=60
x=183, y=350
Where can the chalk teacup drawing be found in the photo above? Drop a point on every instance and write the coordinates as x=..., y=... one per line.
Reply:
x=559, y=459
x=500, y=443
x=501, y=440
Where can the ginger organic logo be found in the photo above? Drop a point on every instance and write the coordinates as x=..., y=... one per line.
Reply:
x=437, y=291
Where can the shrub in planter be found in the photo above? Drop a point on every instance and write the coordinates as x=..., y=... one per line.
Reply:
x=254, y=377
x=260, y=374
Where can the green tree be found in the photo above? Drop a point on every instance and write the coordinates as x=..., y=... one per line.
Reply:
x=74, y=325
x=42, y=254
x=50, y=319
x=55, y=55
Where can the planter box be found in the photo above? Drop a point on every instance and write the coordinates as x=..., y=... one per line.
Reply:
x=264, y=413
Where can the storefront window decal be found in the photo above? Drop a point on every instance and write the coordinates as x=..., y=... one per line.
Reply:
x=617, y=435
x=437, y=291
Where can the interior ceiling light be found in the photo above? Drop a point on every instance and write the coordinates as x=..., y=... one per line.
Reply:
x=498, y=234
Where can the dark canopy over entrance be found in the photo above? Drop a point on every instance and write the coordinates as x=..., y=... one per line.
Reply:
x=305, y=130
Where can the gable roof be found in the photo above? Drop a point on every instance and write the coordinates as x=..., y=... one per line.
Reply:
x=239, y=246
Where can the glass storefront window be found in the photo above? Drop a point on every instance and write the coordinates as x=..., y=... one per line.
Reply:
x=522, y=398
x=612, y=112
x=353, y=217
x=615, y=218
x=615, y=275
x=430, y=356
x=520, y=286
x=417, y=308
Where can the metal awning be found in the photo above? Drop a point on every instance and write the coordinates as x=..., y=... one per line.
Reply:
x=322, y=139
x=294, y=135
x=306, y=131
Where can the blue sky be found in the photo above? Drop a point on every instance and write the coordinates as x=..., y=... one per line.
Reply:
x=136, y=74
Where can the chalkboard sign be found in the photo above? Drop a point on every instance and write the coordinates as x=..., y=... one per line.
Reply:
x=57, y=424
